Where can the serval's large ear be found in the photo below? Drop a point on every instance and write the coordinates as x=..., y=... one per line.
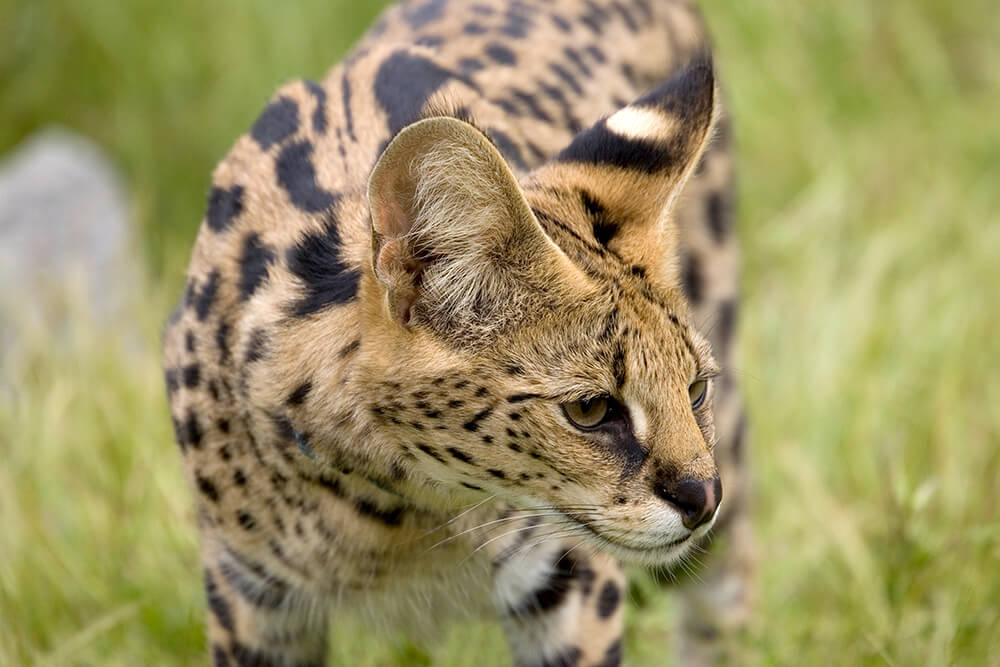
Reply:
x=453, y=238
x=625, y=172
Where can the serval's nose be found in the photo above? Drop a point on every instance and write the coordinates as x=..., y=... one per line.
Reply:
x=695, y=499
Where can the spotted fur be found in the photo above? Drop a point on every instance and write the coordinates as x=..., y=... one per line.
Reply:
x=489, y=210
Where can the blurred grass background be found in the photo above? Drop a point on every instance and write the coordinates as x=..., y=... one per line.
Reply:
x=870, y=190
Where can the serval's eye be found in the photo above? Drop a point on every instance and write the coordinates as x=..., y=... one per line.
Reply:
x=697, y=391
x=588, y=414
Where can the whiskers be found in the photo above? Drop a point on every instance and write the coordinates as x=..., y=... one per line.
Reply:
x=542, y=517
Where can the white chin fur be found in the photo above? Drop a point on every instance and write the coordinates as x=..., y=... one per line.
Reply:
x=666, y=552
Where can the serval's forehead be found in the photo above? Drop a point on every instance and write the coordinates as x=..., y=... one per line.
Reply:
x=621, y=342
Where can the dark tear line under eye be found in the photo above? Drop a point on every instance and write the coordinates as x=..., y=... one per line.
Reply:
x=617, y=437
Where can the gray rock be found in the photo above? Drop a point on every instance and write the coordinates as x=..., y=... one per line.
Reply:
x=66, y=250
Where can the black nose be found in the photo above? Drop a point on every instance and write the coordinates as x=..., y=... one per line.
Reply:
x=696, y=499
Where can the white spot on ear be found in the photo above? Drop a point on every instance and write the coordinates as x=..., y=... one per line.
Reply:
x=639, y=123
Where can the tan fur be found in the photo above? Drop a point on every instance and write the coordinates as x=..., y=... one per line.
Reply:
x=385, y=313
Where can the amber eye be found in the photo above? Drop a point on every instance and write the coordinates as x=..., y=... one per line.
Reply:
x=697, y=391
x=587, y=414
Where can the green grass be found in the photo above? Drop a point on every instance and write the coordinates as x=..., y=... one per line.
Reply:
x=870, y=153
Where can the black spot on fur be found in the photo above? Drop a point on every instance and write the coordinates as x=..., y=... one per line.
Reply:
x=608, y=599
x=297, y=176
x=604, y=227
x=728, y=311
x=517, y=24
x=499, y=474
x=255, y=347
x=319, y=115
x=278, y=121
x=207, y=488
x=569, y=118
x=577, y=60
x=719, y=215
x=595, y=52
x=246, y=520
x=332, y=485
x=594, y=18
x=403, y=84
x=613, y=655
x=623, y=11
x=471, y=486
x=507, y=148
x=460, y=455
x=508, y=107
x=202, y=298
x=469, y=65
x=349, y=349
x=427, y=12
x=566, y=77
x=327, y=281
x=223, y=206
x=691, y=279
x=530, y=102
x=618, y=367
x=390, y=517
x=239, y=477
x=253, y=265
x=552, y=592
x=500, y=54
x=646, y=9
x=248, y=657
x=222, y=341
x=430, y=41
x=173, y=383
x=473, y=424
x=612, y=326
x=561, y=23
x=430, y=452
x=217, y=604
x=188, y=432
x=300, y=393
x=473, y=28
x=345, y=95
x=219, y=658
x=284, y=427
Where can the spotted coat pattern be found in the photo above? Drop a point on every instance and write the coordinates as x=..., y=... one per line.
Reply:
x=487, y=212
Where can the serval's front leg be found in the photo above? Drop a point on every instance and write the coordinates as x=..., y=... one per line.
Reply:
x=561, y=602
x=257, y=618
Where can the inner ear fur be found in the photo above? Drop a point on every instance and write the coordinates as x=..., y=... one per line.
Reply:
x=453, y=238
